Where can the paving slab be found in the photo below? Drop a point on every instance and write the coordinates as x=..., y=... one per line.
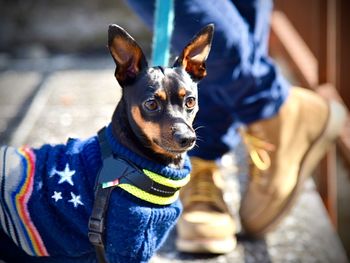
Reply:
x=76, y=103
x=16, y=91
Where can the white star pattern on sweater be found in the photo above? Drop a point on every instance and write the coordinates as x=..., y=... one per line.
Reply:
x=75, y=200
x=57, y=196
x=66, y=175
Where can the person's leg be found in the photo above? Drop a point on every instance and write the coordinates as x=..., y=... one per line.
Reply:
x=286, y=148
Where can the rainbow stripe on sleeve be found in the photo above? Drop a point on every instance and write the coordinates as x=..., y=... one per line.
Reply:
x=22, y=197
x=17, y=181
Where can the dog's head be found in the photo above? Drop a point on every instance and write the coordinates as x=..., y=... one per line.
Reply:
x=161, y=103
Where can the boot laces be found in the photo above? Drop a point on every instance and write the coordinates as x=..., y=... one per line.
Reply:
x=258, y=150
x=203, y=189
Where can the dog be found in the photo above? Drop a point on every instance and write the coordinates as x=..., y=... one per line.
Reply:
x=47, y=194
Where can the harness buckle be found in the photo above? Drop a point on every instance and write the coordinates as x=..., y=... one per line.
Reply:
x=96, y=225
x=95, y=231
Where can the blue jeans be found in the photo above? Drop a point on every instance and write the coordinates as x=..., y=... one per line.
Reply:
x=243, y=84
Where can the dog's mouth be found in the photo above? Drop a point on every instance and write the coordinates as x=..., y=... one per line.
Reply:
x=170, y=148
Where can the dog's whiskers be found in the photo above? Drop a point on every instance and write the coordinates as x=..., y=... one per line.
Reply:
x=199, y=127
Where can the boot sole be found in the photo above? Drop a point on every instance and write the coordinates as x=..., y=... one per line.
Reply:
x=333, y=126
x=217, y=246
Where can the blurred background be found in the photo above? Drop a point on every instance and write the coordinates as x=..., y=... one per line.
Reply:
x=54, y=52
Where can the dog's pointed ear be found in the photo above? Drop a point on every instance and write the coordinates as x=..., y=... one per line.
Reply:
x=127, y=55
x=194, y=55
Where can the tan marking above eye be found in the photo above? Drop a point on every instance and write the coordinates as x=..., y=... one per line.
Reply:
x=161, y=94
x=182, y=92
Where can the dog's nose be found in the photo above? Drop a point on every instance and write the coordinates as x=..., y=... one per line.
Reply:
x=184, y=139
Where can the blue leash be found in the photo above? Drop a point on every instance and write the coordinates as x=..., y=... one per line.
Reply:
x=163, y=29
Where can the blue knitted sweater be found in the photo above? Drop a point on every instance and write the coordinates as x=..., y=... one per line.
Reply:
x=47, y=197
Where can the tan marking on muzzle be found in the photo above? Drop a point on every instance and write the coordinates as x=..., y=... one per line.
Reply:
x=151, y=130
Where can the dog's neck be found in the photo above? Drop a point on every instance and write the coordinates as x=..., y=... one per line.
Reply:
x=123, y=132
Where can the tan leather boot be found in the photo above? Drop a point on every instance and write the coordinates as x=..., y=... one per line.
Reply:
x=205, y=225
x=284, y=151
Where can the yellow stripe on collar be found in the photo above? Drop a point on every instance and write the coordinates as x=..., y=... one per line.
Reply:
x=155, y=199
x=166, y=181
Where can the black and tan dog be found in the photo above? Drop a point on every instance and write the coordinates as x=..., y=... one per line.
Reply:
x=139, y=159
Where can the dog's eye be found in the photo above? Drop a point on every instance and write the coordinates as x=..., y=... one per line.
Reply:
x=151, y=105
x=190, y=102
